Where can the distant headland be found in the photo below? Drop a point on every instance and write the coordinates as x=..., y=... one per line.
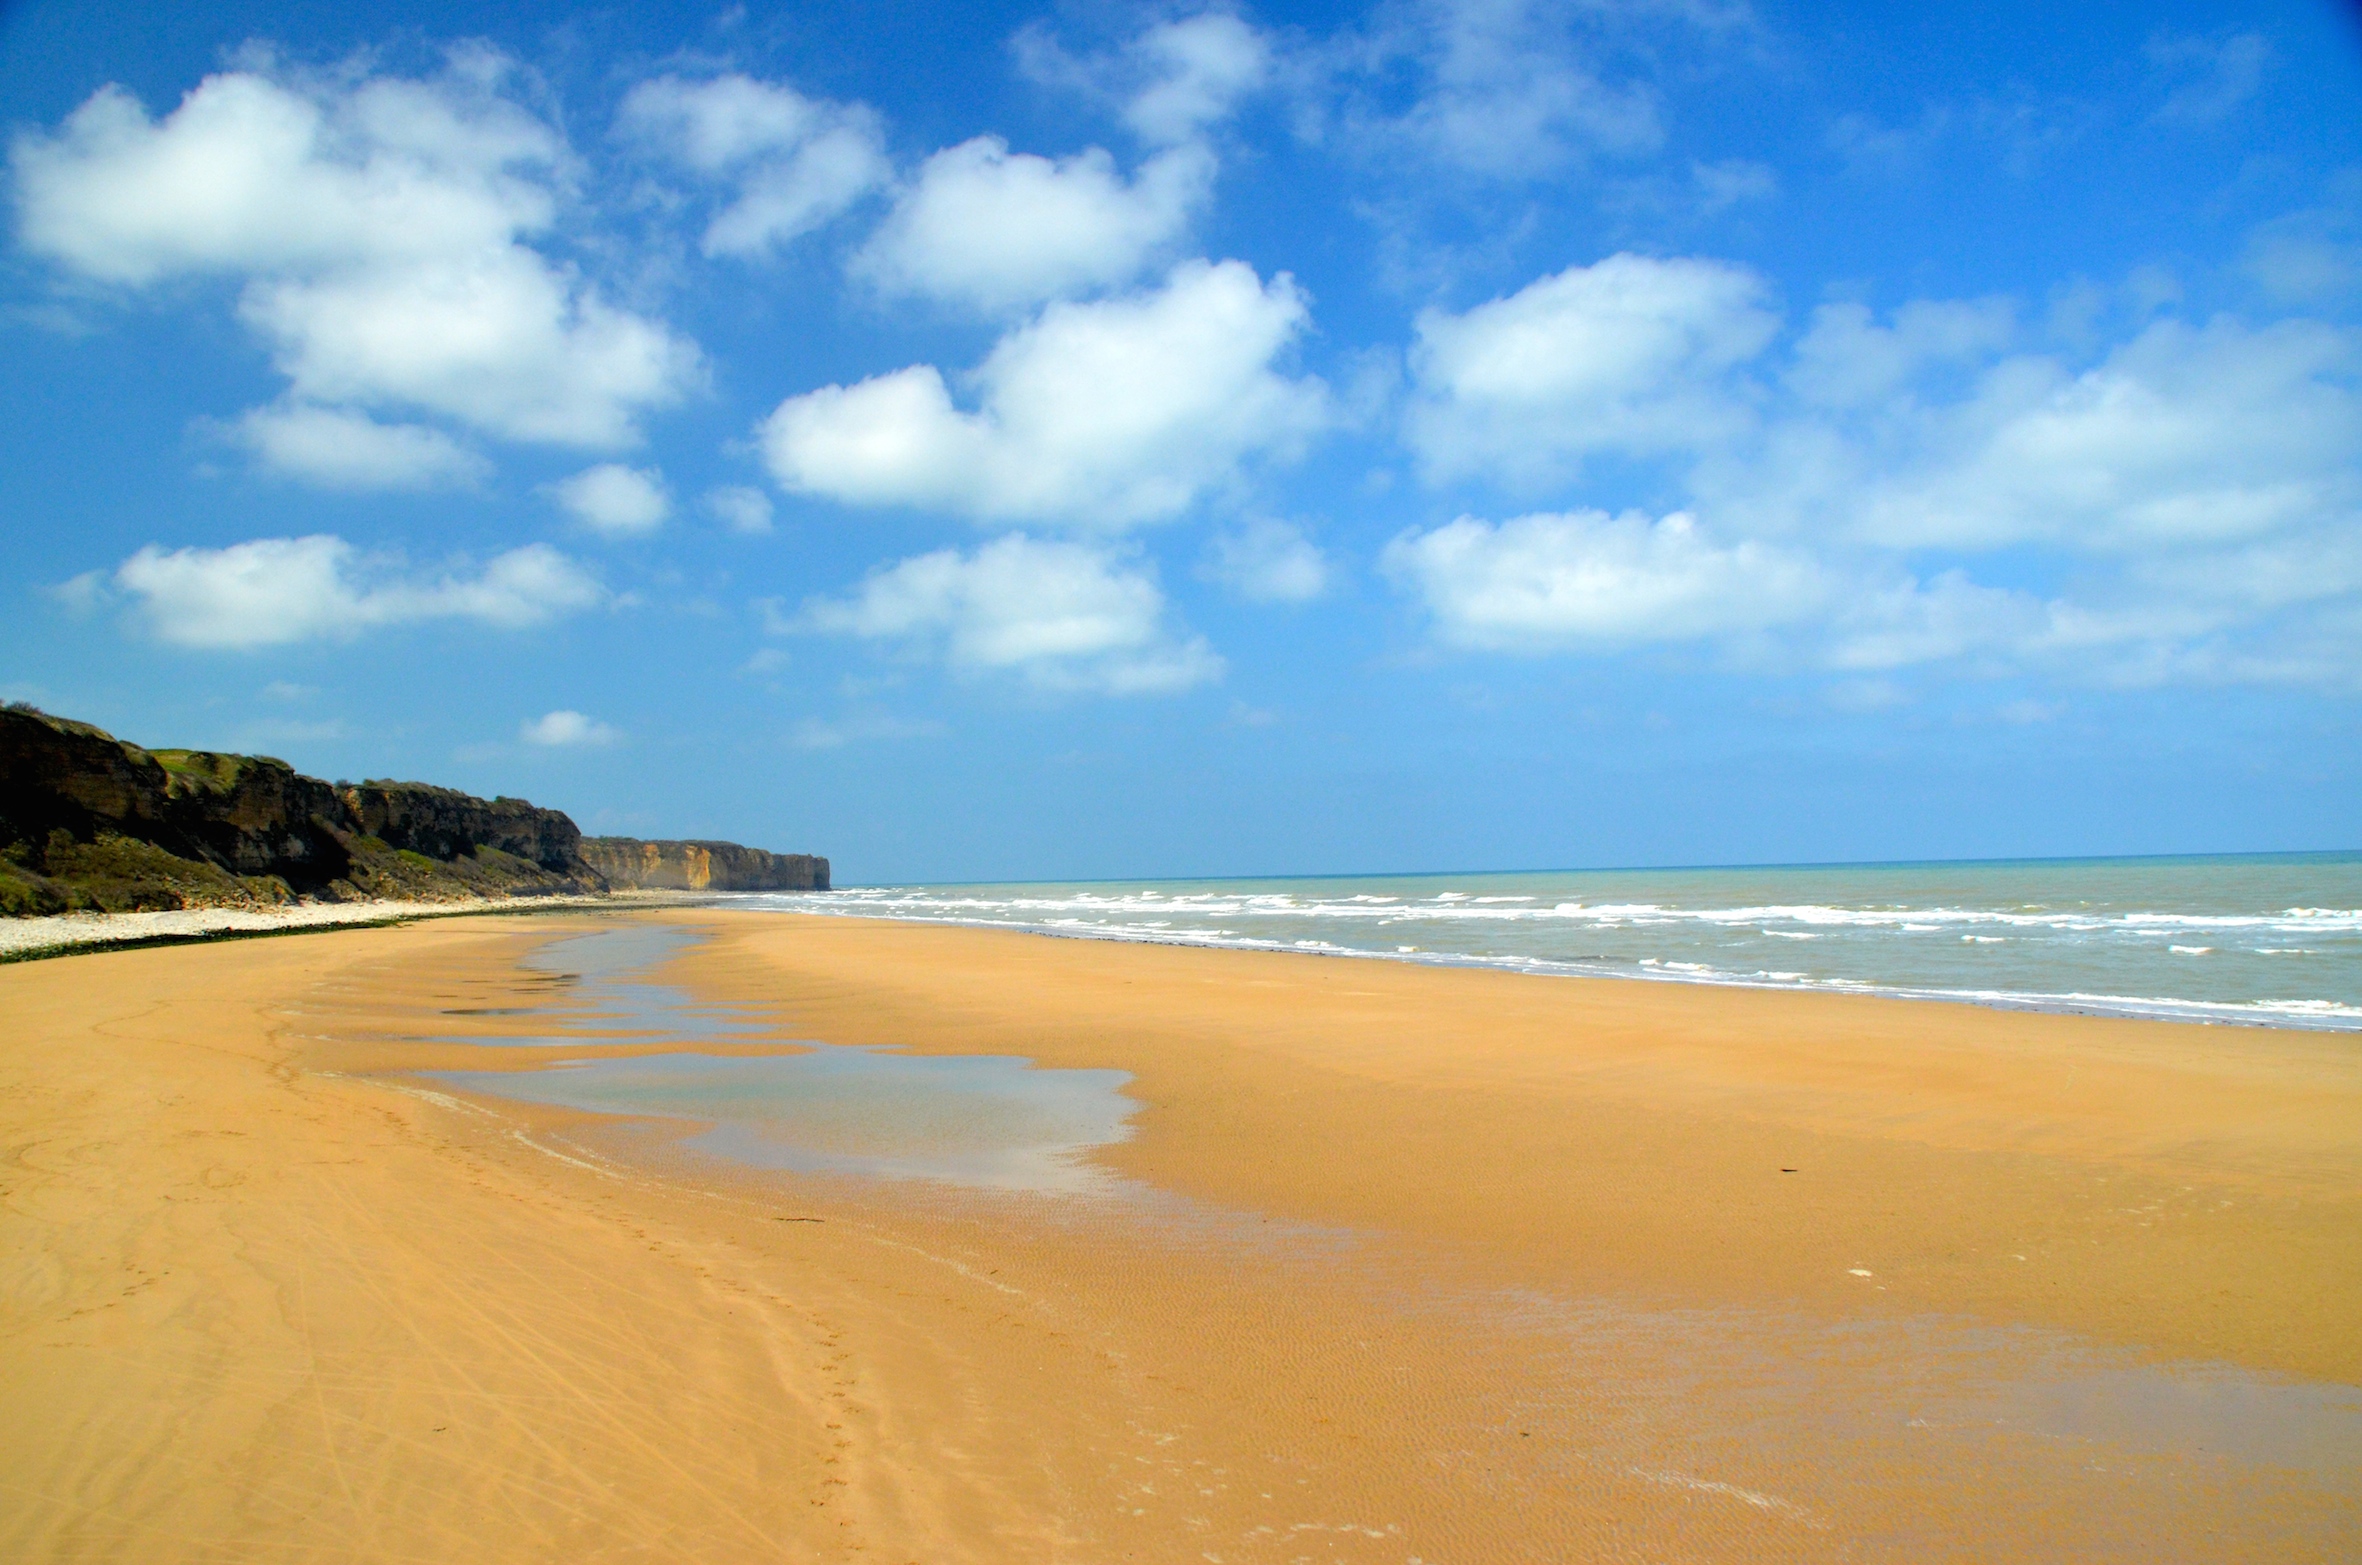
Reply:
x=91, y=823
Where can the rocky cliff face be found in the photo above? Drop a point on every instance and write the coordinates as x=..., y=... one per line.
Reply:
x=254, y=815
x=628, y=863
x=89, y=821
x=443, y=823
x=60, y=775
x=248, y=815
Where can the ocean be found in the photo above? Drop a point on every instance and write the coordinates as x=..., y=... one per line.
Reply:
x=2261, y=939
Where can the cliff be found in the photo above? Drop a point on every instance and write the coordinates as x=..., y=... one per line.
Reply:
x=89, y=821
x=631, y=864
x=443, y=823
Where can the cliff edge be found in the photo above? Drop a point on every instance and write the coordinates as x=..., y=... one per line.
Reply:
x=92, y=822
x=630, y=864
x=89, y=822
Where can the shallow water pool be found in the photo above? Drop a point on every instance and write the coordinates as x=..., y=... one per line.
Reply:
x=985, y=1121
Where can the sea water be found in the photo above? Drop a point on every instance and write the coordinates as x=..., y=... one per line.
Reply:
x=2266, y=939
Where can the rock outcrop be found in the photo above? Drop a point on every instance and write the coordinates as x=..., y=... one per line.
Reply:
x=60, y=775
x=88, y=821
x=443, y=823
x=254, y=815
x=628, y=863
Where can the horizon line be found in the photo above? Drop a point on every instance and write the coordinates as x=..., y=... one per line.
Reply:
x=1665, y=869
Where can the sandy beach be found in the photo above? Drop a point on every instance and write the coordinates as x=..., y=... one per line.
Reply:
x=1396, y=1264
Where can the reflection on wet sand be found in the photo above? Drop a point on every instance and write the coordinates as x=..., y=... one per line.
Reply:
x=991, y=1122
x=1902, y=1436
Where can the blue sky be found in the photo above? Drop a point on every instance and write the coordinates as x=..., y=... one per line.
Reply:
x=1094, y=441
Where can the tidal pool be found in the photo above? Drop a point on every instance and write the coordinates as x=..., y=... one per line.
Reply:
x=986, y=1121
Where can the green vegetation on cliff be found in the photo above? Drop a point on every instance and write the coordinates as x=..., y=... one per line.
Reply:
x=88, y=822
x=118, y=874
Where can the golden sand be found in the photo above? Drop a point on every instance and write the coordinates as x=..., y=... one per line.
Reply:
x=1399, y=1263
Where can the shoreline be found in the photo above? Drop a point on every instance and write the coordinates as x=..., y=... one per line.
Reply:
x=74, y=934
x=1408, y=1263
x=1956, y=1101
x=2200, y=1013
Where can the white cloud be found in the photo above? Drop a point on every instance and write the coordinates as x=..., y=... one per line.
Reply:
x=619, y=501
x=1195, y=70
x=1066, y=616
x=1103, y=414
x=1172, y=82
x=379, y=226
x=2184, y=436
x=2208, y=77
x=277, y=590
x=741, y=509
x=1586, y=578
x=252, y=173
x=1900, y=622
x=2312, y=256
x=337, y=448
x=500, y=340
x=792, y=162
x=1628, y=355
x=1847, y=359
x=997, y=230
x=2197, y=487
x=1270, y=561
x=566, y=730
x=1507, y=89
x=1588, y=581
x=83, y=594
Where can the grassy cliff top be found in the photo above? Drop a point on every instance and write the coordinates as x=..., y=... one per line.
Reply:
x=210, y=769
x=64, y=725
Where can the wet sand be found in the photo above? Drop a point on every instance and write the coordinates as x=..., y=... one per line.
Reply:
x=1398, y=1263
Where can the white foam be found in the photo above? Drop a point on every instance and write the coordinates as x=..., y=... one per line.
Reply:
x=2005, y=952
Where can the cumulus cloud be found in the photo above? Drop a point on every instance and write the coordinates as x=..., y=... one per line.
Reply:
x=1063, y=616
x=789, y=163
x=996, y=230
x=272, y=591
x=2197, y=485
x=255, y=173
x=1269, y=561
x=379, y=227
x=338, y=448
x=1193, y=72
x=2183, y=436
x=1585, y=578
x=741, y=509
x=619, y=501
x=1172, y=82
x=1627, y=355
x=502, y=341
x=1102, y=414
x=1588, y=581
x=566, y=730
x=1848, y=358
